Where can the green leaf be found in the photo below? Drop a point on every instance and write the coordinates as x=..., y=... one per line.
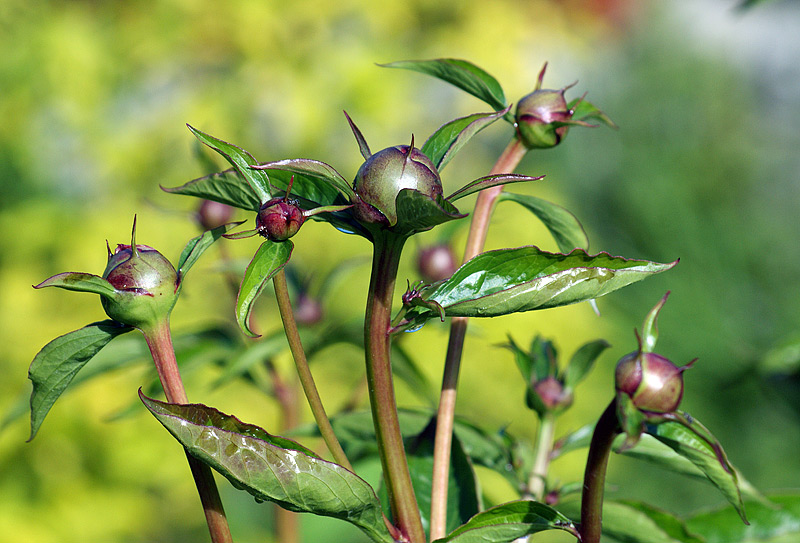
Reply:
x=80, y=282
x=464, y=75
x=582, y=361
x=227, y=187
x=522, y=359
x=523, y=279
x=272, y=467
x=54, y=367
x=363, y=147
x=241, y=160
x=197, y=246
x=698, y=445
x=775, y=522
x=268, y=260
x=313, y=169
x=562, y=224
x=488, y=182
x=417, y=212
x=451, y=137
x=510, y=521
x=583, y=110
x=253, y=354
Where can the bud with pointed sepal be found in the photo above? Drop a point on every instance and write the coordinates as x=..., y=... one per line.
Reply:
x=651, y=381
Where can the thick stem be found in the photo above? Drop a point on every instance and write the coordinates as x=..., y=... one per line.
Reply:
x=304, y=373
x=541, y=457
x=159, y=341
x=595, y=476
x=506, y=163
x=385, y=260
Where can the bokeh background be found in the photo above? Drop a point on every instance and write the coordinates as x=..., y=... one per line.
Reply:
x=705, y=166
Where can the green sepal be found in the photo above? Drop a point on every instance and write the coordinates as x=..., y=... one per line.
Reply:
x=650, y=327
x=269, y=259
x=81, y=282
x=449, y=138
x=271, y=467
x=417, y=212
x=488, y=182
x=583, y=110
x=55, y=366
x=631, y=420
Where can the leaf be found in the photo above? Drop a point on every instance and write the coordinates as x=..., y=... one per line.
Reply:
x=523, y=279
x=510, y=521
x=583, y=110
x=241, y=160
x=268, y=260
x=228, y=187
x=313, y=169
x=649, y=335
x=80, y=282
x=582, y=361
x=272, y=467
x=488, y=182
x=253, y=354
x=776, y=522
x=464, y=75
x=362, y=143
x=711, y=460
x=564, y=227
x=197, y=246
x=451, y=137
x=54, y=367
x=417, y=212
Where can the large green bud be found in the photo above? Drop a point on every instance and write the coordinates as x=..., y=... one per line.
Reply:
x=146, y=284
x=383, y=175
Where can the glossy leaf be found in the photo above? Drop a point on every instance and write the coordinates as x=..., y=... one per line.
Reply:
x=197, y=246
x=582, y=361
x=227, y=187
x=464, y=75
x=563, y=226
x=80, y=282
x=271, y=467
x=55, y=366
x=583, y=111
x=241, y=160
x=268, y=260
x=314, y=169
x=510, y=521
x=488, y=182
x=417, y=212
x=775, y=522
x=524, y=279
x=452, y=136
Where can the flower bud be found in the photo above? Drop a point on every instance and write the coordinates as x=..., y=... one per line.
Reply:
x=279, y=219
x=383, y=175
x=552, y=393
x=146, y=282
x=212, y=214
x=651, y=381
x=436, y=262
x=536, y=115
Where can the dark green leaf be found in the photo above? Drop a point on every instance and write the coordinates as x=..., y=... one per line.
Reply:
x=313, y=169
x=583, y=111
x=510, y=521
x=310, y=190
x=582, y=361
x=55, y=366
x=417, y=212
x=253, y=354
x=564, y=227
x=488, y=182
x=80, y=282
x=775, y=522
x=241, y=160
x=464, y=75
x=522, y=359
x=526, y=278
x=197, y=246
x=268, y=260
x=451, y=137
x=271, y=467
x=227, y=187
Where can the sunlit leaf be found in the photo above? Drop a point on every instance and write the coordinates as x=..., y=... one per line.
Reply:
x=271, y=467
x=775, y=522
x=490, y=181
x=55, y=366
x=227, y=187
x=563, y=226
x=268, y=260
x=313, y=169
x=452, y=136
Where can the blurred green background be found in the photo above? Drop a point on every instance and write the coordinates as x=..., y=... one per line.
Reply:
x=93, y=100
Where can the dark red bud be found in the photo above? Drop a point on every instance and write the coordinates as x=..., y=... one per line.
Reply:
x=279, y=219
x=651, y=381
x=436, y=262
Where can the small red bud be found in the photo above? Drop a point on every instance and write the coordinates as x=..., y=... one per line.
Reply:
x=651, y=381
x=551, y=391
x=279, y=219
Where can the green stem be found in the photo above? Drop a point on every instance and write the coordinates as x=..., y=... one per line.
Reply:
x=594, y=478
x=541, y=457
x=159, y=340
x=385, y=260
x=303, y=371
x=476, y=239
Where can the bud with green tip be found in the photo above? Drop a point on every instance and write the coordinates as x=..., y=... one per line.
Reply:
x=279, y=219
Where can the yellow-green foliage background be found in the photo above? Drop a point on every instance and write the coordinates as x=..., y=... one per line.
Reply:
x=93, y=100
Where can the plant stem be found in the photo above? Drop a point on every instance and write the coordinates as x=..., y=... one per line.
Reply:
x=541, y=457
x=159, y=340
x=385, y=260
x=306, y=379
x=595, y=476
x=476, y=239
